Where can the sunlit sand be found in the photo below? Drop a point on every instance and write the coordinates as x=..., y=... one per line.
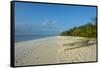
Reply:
x=52, y=50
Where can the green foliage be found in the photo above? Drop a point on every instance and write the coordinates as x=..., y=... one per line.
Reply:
x=86, y=30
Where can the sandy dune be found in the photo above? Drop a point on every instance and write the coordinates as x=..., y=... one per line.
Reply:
x=50, y=50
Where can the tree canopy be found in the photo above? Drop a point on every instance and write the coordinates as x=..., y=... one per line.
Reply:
x=86, y=30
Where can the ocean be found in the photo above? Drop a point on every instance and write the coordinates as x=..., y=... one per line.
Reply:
x=19, y=38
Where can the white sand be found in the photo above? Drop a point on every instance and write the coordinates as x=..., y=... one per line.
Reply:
x=50, y=50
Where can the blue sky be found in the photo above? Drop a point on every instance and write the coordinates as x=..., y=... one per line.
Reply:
x=33, y=18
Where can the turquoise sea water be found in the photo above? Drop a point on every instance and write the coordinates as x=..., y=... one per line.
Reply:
x=19, y=38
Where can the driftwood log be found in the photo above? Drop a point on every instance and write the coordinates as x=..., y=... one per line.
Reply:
x=79, y=44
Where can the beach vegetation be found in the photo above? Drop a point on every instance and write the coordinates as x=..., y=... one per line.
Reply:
x=86, y=30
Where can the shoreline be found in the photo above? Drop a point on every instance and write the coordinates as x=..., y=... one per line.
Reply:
x=48, y=37
x=33, y=39
x=50, y=50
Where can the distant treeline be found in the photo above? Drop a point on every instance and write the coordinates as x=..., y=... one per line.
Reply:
x=86, y=30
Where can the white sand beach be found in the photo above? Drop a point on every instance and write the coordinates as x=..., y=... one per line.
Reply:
x=51, y=50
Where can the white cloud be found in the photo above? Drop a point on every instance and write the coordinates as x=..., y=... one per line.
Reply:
x=49, y=22
x=45, y=23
